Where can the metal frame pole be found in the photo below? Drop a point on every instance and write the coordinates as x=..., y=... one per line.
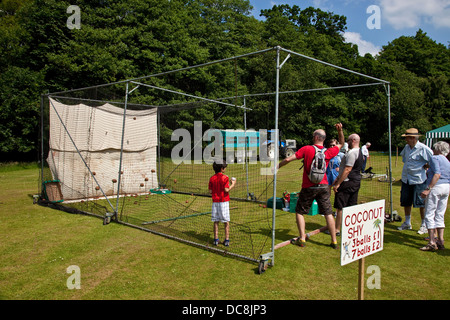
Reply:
x=121, y=149
x=166, y=72
x=42, y=143
x=277, y=97
x=246, y=149
x=388, y=93
x=158, y=117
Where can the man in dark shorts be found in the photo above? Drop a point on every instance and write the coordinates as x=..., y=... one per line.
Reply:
x=348, y=182
x=415, y=156
x=310, y=191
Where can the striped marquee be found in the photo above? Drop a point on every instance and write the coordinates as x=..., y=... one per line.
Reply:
x=436, y=134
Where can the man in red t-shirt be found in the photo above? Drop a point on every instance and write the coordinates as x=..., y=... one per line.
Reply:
x=310, y=191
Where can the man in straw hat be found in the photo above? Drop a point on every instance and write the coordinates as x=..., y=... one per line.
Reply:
x=415, y=157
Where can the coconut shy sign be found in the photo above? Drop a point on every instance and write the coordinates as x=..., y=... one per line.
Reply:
x=362, y=230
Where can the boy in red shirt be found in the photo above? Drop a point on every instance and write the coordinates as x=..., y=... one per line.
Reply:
x=219, y=188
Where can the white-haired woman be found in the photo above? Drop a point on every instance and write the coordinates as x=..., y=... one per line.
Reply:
x=436, y=195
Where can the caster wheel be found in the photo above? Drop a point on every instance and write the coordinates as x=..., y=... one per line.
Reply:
x=262, y=267
x=106, y=220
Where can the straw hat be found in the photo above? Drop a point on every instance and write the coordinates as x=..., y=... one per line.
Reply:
x=411, y=132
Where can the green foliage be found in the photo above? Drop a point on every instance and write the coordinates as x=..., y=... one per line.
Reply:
x=419, y=54
x=19, y=110
x=419, y=70
x=132, y=38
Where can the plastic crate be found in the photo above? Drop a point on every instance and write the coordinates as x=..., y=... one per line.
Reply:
x=279, y=203
x=293, y=202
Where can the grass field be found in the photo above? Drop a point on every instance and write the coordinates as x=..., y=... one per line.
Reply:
x=38, y=244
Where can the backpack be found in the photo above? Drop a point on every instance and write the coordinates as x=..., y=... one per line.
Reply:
x=318, y=166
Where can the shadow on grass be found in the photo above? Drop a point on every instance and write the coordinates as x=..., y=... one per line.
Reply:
x=284, y=234
x=409, y=238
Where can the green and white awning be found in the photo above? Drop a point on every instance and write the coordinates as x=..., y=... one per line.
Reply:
x=436, y=134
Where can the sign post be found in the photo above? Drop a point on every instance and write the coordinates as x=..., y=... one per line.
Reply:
x=362, y=234
x=361, y=279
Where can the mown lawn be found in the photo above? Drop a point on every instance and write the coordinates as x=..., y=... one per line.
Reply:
x=38, y=244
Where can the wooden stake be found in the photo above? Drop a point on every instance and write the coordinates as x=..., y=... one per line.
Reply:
x=308, y=235
x=361, y=279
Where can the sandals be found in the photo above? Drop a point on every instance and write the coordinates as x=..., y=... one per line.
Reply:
x=439, y=244
x=429, y=247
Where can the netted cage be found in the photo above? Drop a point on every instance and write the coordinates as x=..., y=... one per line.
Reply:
x=140, y=152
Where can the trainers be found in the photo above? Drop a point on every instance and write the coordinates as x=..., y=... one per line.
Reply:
x=338, y=233
x=299, y=242
x=216, y=242
x=405, y=226
x=334, y=245
x=422, y=230
x=226, y=243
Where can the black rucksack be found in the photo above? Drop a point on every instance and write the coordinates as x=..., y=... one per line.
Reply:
x=318, y=166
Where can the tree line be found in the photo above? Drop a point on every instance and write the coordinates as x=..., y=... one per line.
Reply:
x=126, y=39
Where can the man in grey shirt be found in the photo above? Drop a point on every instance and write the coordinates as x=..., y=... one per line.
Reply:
x=348, y=182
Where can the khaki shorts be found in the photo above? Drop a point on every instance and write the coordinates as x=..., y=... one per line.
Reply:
x=308, y=195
